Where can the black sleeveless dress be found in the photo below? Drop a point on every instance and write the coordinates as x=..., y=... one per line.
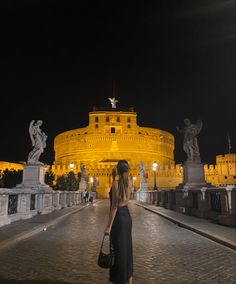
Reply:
x=121, y=240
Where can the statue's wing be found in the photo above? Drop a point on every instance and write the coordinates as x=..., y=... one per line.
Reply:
x=113, y=100
x=198, y=126
x=31, y=132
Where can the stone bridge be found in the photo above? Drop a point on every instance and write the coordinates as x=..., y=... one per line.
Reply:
x=62, y=247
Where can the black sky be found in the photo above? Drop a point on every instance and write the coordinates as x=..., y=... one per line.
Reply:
x=169, y=59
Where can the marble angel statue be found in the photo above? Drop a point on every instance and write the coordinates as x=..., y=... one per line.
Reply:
x=38, y=139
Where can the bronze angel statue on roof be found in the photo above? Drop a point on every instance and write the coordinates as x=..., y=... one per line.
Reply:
x=38, y=139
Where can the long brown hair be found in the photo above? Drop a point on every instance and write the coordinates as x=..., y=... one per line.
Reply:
x=123, y=182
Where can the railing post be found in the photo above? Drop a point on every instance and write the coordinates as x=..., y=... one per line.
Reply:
x=228, y=213
x=4, y=218
x=56, y=200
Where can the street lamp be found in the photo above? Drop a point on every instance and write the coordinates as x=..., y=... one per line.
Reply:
x=154, y=168
x=91, y=181
x=134, y=179
x=72, y=167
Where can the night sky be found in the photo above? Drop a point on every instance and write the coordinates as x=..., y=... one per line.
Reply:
x=169, y=60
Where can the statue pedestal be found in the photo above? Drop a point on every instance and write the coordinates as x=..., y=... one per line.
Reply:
x=193, y=175
x=82, y=185
x=34, y=184
x=33, y=177
x=143, y=186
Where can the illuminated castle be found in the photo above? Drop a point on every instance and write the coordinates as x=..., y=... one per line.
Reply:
x=112, y=135
x=224, y=172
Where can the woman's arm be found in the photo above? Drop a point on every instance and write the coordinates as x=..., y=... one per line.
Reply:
x=113, y=210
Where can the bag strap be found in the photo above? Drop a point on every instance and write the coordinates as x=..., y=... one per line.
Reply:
x=102, y=242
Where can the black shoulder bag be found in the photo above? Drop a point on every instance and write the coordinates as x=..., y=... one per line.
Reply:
x=106, y=260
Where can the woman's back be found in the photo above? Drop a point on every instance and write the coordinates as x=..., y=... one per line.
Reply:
x=114, y=194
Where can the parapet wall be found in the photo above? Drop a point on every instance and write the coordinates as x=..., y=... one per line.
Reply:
x=17, y=205
x=218, y=204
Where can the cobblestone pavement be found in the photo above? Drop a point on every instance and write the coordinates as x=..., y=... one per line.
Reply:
x=163, y=252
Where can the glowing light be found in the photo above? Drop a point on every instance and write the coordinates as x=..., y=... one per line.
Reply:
x=72, y=166
x=154, y=166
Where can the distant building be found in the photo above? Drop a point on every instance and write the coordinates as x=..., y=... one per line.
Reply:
x=10, y=166
x=224, y=172
x=112, y=135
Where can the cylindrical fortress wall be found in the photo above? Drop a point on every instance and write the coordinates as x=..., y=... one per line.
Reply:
x=109, y=137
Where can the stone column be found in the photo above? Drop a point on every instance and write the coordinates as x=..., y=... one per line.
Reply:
x=4, y=219
x=23, y=209
x=228, y=215
x=63, y=199
x=56, y=200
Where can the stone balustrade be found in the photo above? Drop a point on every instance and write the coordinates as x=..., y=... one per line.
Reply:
x=216, y=203
x=17, y=204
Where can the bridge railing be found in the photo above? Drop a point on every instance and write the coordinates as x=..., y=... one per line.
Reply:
x=18, y=204
x=216, y=203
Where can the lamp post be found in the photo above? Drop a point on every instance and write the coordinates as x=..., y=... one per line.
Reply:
x=134, y=179
x=154, y=168
x=91, y=181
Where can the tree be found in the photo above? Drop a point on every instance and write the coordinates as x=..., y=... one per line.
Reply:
x=61, y=183
x=72, y=182
x=1, y=181
x=79, y=177
x=67, y=182
x=50, y=178
x=10, y=178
